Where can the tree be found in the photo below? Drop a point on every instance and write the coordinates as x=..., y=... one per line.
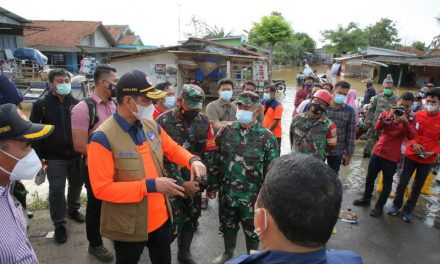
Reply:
x=419, y=45
x=198, y=28
x=383, y=34
x=218, y=32
x=294, y=50
x=344, y=40
x=270, y=31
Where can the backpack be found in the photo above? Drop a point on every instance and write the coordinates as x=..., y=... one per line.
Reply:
x=93, y=117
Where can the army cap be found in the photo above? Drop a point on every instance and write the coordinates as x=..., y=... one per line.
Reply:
x=248, y=99
x=193, y=96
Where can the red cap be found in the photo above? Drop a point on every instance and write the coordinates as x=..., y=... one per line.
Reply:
x=324, y=95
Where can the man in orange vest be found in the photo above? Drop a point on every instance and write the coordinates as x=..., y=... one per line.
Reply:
x=126, y=172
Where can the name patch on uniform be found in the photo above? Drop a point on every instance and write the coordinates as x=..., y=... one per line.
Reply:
x=125, y=155
x=157, y=145
x=151, y=135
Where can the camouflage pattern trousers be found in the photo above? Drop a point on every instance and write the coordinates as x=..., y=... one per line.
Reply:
x=186, y=212
x=372, y=137
x=232, y=212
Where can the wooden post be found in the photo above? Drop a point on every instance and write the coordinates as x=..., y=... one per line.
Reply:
x=400, y=76
x=228, y=69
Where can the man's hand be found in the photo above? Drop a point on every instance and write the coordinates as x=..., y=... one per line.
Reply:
x=168, y=187
x=191, y=187
x=211, y=195
x=428, y=154
x=401, y=119
x=418, y=149
x=346, y=159
x=198, y=170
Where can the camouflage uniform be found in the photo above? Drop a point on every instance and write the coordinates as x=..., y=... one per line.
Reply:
x=239, y=167
x=312, y=136
x=379, y=103
x=197, y=138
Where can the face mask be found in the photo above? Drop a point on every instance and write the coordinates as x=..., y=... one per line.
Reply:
x=226, y=95
x=432, y=108
x=422, y=94
x=170, y=101
x=317, y=108
x=266, y=96
x=308, y=85
x=26, y=168
x=424, y=101
x=258, y=230
x=64, y=88
x=190, y=115
x=144, y=112
x=244, y=117
x=340, y=99
x=387, y=92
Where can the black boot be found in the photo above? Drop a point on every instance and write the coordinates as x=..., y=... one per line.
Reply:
x=362, y=202
x=251, y=244
x=184, y=240
x=230, y=241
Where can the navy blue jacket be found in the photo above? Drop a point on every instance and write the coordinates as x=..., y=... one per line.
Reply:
x=9, y=92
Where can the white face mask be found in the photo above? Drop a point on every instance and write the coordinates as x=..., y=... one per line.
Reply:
x=432, y=108
x=144, y=112
x=26, y=168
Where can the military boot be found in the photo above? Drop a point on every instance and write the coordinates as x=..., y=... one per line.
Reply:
x=230, y=241
x=184, y=247
x=251, y=244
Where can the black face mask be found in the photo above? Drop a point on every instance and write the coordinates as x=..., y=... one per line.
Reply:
x=317, y=108
x=189, y=115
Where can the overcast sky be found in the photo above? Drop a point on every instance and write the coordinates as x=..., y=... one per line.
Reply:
x=157, y=22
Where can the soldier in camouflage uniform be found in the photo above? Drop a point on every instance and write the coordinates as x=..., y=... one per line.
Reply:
x=379, y=103
x=190, y=128
x=312, y=132
x=244, y=152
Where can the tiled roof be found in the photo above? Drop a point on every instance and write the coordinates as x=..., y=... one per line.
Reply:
x=116, y=30
x=129, y=40
x=61, y=33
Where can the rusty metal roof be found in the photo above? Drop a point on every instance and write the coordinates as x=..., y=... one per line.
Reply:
x=413, y=61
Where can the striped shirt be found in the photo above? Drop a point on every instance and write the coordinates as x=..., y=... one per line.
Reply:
x=14, y=243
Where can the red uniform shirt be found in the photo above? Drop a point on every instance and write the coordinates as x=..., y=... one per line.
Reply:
x=428, y=135
x=393, y=134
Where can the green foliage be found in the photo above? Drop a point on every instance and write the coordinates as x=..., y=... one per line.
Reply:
x=129, y=32
x=38, y=203
x=344, y=40
x=218, y=32
x=419, y=45
x=292, y=51
x=270, y=30
x=383, y=34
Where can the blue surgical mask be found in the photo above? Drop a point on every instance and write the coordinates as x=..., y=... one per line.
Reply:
x=308, y=85
x=422, y=94
x=244, y=117
x=64, y=88
x=226, y=95
x=266, y=96
x=170, y=101
x=340, y=99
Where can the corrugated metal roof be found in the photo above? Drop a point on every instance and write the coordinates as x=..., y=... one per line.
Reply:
x=413, y=61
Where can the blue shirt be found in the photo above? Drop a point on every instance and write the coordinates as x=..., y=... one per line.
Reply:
x=9, y=92
x=322, y=256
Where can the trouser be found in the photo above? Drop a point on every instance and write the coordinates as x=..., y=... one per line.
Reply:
x=158, y=245
x=186, y=212
x=409, y=166
x=372, y=138
x=388, y=169
x=57, y=171
x=334, y=162
x=231, y=213
x=93, y=213
x=279, y=142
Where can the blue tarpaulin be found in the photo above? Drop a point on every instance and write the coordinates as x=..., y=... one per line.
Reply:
x=30, y=54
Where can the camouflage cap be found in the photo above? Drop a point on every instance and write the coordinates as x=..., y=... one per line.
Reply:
x=248, y=99
x=193, y=96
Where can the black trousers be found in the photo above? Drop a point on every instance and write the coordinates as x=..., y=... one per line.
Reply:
x=158, y=244
x=409, y=166
x=388, y=169
x=93, y=213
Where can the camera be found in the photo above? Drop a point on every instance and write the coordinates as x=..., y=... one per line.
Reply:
x=399, y=111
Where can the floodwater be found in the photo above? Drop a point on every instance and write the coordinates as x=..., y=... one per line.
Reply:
x=352, y=176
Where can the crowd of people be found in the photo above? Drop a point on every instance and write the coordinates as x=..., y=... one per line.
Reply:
x=150, y=158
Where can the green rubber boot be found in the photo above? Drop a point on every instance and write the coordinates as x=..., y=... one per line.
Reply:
x=184, y=247
x=251, y=244
x=230, y=241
